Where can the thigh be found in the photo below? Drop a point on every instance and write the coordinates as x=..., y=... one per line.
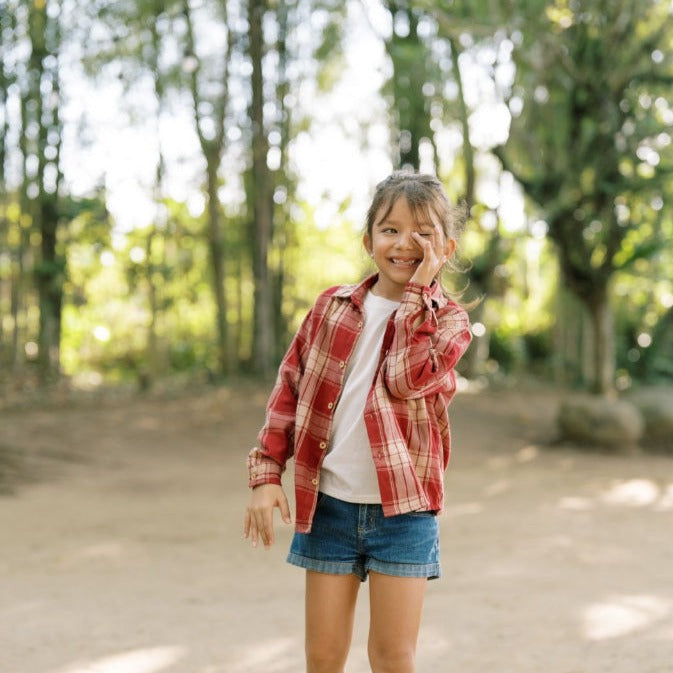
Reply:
x=330, y=611
x=396, y=605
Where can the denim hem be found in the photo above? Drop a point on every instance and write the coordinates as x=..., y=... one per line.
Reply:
x=330, y=567
x=431, y=571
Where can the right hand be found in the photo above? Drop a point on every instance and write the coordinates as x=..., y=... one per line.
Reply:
x=259, y=513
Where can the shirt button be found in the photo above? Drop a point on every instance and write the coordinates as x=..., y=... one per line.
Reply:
x=360, y=325
x=342, y=364
x=330, y=405
x=314, y=482
x=323, y=445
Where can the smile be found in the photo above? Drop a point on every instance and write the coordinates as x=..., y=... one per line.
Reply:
x=400, y=261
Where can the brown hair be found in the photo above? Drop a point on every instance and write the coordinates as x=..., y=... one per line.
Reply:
x=426, y=197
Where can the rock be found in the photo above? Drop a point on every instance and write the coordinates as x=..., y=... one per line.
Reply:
x=656, y=408
x=600, y=421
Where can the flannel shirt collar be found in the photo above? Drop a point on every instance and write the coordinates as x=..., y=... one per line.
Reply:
x=357, y=292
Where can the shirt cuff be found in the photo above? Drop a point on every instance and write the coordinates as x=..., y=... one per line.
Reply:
x=415, y=293
x=262, y=470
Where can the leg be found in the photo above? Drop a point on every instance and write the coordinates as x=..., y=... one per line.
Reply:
x=396, y=604
x=330, y=611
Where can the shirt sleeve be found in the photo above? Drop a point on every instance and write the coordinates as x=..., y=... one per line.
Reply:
x=266, y=462
x=427, y=344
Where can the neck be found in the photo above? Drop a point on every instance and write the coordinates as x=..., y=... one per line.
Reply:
x=378, y=291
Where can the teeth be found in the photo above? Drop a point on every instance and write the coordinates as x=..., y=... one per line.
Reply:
x=405, y=262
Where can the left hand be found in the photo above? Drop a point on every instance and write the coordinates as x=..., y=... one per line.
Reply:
x=434, y=256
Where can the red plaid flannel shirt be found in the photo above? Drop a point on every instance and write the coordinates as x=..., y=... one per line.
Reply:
x=406, y=410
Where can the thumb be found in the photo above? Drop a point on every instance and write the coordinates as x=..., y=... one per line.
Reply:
x=284, y=509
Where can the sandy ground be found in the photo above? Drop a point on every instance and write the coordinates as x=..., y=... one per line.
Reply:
x=124, y=554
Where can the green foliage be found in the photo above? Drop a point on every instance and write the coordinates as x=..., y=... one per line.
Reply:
x=590, y=144
x=319, y=258
x=105, y=327
x=585, y=148
x=329, y=16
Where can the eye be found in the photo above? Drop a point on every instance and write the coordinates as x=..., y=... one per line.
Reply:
x=389, y=230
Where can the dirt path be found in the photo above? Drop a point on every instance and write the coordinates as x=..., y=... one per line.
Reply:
x=126, y=555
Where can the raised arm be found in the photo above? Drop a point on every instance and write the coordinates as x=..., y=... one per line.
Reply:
x=426, y=345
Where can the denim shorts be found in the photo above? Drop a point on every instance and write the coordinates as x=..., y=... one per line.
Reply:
x=350, y=538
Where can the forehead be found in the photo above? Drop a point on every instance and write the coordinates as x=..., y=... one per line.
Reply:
x=401, y=211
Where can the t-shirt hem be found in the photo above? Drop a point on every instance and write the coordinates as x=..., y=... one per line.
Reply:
x=351, y=497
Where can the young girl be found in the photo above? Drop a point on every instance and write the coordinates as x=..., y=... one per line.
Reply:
x=361, y=402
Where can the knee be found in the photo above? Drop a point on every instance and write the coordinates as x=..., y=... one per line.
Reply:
x=327, y=658
x=392, y=657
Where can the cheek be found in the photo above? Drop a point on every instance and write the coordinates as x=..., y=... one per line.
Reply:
x=378, y=242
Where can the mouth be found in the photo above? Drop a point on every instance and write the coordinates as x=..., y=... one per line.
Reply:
x=405, y=261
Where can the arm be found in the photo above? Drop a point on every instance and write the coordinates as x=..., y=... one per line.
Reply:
x=426, y=345
x=266, y=463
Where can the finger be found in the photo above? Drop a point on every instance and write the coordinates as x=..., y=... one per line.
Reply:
x=427, y=248
x=285, y=510
x=268, y=527
x=246, y=524
x=422, y=242
x=254, y=534
x=259, y=524
x=438, y=238
x=439, y=243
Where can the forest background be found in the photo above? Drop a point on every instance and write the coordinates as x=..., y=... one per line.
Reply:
x=180, y=178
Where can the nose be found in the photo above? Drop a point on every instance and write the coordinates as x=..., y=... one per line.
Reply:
x=405, y=241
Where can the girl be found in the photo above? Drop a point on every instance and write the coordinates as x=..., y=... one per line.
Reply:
x=361, y=402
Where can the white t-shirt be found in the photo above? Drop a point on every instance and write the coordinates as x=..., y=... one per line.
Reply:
x=348, y=471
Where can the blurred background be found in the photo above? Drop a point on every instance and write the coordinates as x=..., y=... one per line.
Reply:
x=179, y=179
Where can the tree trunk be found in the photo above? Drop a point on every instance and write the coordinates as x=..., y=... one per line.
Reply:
x=212, y=151
x=604, y=345
x=216, y=250
x=283, y=224
x=4, y=281
x=408, y=55
x=263, y=331
x=468, y=152
x=148, y=372
x=151, y=370
x=4, y=197
x=44, y=92
x=50, y=275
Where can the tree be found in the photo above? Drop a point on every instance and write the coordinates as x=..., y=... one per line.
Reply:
x=7, y=353
x=210, y=100
x=410, y=84
x=261, y=228
x=41, y=141
x=585, y=147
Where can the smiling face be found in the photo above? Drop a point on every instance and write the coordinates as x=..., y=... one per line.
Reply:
x=395, y=252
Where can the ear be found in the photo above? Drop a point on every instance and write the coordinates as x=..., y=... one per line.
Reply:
x=449, y=247
x=367, y=242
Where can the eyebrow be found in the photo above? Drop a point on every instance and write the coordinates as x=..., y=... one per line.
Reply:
x=385, y=222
